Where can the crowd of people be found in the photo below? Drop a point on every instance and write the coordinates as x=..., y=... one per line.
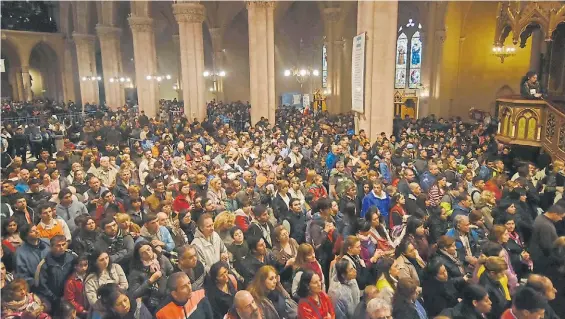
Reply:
x=307, y=218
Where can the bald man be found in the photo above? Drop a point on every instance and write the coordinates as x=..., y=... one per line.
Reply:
x=244, y=307
x=544, y=286
x=369, y=294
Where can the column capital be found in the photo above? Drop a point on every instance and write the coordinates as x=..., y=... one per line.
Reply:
x=260, y=4
x=332, y=14
x=107, y=31
x=81, y=38
x=189, y=12
x=140, y=24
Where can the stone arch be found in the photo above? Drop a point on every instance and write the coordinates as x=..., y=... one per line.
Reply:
x=45, y=71
x=11, y=86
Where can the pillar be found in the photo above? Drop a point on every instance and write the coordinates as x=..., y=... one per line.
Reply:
x=68, y=74
x=218, y=60
x=86, y=67
x=176, y=41
x=378, y=20
x=334, y=47
x=190, y=17
x=26, y=81
x=111, y=64
x=145, y=63
x=535, y=56
x=262, y=60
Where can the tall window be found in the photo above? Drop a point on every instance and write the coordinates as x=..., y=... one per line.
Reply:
x=324, y=67
x=408, y=56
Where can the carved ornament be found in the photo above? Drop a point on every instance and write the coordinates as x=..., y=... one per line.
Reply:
x=189, y=12
x=260, y=4
x=107, y=31
x=140, y=24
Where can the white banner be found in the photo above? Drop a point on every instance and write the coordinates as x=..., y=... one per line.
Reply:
x=306, y=101
x=2, y=67
x=296, y=99
x=358, y=74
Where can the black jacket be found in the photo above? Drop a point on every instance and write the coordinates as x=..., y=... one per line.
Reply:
x=280, y=208
x=405, y=311
x=255, y=230
x=120, y=249
x=53, y=273
x=439, y=295
x=297, y=226
x=248, y=266
x=462, y=311
x=415, y=207
x=496, y=295
x=139, y=285
x=436, y=227
x=219, y=300
x=83, y=241
x=451, y=266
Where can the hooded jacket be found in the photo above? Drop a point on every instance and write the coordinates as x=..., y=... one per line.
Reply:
x=51, y=275
x=208, y=250
x=68, y=214
x=381, y=201
x=28, y=258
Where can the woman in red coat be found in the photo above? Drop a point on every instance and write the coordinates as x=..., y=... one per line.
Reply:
x=314, y=303
x=495, y=185
x=182, y=202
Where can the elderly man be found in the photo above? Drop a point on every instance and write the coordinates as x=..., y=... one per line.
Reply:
x=377, y=309
x=105, y=173
x=146, y=165
x=244, y=307
x=182, y=302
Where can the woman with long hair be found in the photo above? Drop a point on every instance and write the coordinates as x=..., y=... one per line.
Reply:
x=446, y=253
x=116, y=304
x=500, y=235
x=410, y=265
x=437, y=190
x=148, y=274
x=285, y=251
x=378, y=233
x=397, y=211
x=417, y=235
x=495, y=270
x=440, y=291
x=281, y=201
x=305, y=261
x=220, y=288
x=345, y=292
x=101, y=270
x=86, y=235
x=127, y=226
x=187, y=225
x=10, y=234
x=351, y=251
x=183, y=200
x=217, y=194
x=295, y=190
x=516, y=247
x=405, y=303
x=314, y=302
x=388, y=273
x=269, y=295
x=258, y=257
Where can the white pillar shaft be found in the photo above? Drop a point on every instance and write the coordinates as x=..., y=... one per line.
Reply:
x=111, y=50
x=378, y=19
x=86, y=67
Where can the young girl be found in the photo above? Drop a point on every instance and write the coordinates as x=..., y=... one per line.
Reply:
x=11, y=236
x=74, y=286
x=18, y=302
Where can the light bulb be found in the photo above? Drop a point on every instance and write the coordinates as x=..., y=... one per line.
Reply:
x=303, y=72
x=148, y=77
x=206, y=73
x=99, y=78
x=128, y=80
x=286, y=72
x=159, y=79
x=315, y=72
x=168, y=77
x=222, y=73
x=84, y=78
x=122, y=79
x=111, y=80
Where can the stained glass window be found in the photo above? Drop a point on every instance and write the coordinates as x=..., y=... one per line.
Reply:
x=408, y=62
x=401, y=54
x=324, y=67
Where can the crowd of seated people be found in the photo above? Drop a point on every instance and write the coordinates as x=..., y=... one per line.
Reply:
x=305, y=218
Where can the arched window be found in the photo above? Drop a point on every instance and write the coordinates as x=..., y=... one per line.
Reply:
x=408, y=56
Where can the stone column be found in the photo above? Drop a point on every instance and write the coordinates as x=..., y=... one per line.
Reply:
x=190, y=17
x=176, y=41
x=334, y=47
x=262, y=60
x=68, y=77
x=26, y=81
x=145, y=63
x=86, y=67
x=19, y=85
x=111, y=64
x=218, y=59
x=535, y=56
x=378, y=19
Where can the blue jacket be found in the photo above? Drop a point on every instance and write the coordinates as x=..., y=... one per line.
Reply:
x=382, y=203
x=165, y=238
x=331, y=159
x=385, y=172
x=28, y=258
x=458, y=210
x=473, y=242
x=427, y=180
x=52, y=276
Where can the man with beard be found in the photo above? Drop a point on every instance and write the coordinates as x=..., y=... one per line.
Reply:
x=189, y=264
x=118, y=245
x=244, y=307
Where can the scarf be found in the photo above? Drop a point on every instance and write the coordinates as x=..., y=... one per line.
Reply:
x=315, y=267
x=153, y=264
x=144, y=232
x=454, y=259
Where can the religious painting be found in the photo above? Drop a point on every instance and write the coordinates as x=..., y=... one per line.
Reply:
x=401, y=57
x=416, y=51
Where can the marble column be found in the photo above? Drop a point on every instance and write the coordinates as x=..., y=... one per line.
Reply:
x=86, y=67
x=26, y=81
x=176, y=41
x=111, y=64
x=262, y=60
x=378, y=20
x=190, y=17
x=218, y=60
x=145, y=64
x=334, y=47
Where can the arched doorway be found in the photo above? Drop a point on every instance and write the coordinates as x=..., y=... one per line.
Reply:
x=45, y=73
x=12, y=76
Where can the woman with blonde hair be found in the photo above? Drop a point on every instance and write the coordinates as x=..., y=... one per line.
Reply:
x=310, y=176
x=285, y=250
x=126, y=225
x=495, y=270
x=295, y=190
x=223, y=223
x=305, y=261
x=269, y=295
x=216, y=193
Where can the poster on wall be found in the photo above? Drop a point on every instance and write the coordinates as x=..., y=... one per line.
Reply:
x=296, y=99
x=2, y=67
x=306, y=101
x=358, y=74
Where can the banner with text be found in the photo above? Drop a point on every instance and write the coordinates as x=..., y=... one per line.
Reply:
x=358, y=74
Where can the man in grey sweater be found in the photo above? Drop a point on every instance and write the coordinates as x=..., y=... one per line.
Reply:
x=544, y=234
x=69, y=208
